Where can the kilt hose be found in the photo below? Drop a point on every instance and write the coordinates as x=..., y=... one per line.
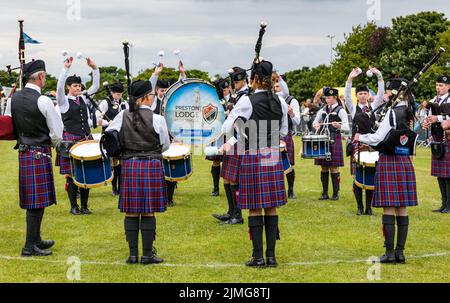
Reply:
x=441, y=167
x=65, y=167
x=261, y=179
x=36, y=184
x=395, y=182
x=337, y=154
x=290, y=147
x=142, y=186
x=230, y=166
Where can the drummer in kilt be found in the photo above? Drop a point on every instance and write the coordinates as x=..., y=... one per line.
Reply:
x=395, y=180
x=77, y=126
x=363, y=121
x=439, y=111
x=38, y=127
x=293, y=122
x=337, y=121
x=231, y=158
x=261, y=176
x=143, y=136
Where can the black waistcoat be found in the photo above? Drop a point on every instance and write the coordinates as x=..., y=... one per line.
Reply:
x=76, y=119
x=362, y=122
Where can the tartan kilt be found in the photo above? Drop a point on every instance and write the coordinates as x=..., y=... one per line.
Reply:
x=142, y=186
x=352, y=159
x=337, y=154
x=441, y=168
x=65, y=167
x=261, y=180
x=290, y=147
x=36, y=184
x=230, y=166
x=395, y=182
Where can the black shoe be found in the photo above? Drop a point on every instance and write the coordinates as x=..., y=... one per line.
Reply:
x=171, y=204
x=151, y=260
x=215, y=192
x=132, y=260
x=85, y=211
x=439, y=210
x=271, y=262
x=45, y=244
x=359, y=212
x=369, y=212
x=446, y=210
x=115, y=192
x=233, y=221
x=75, y=211
x=389, y=259
x=35, y=251
x=256, y=263
x=400, y=257
x=335, y=197
x=292, y=196
x=224, y=217
x=324, y=197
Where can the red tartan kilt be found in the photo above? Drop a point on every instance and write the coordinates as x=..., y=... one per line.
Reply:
x=230, y=166
x=65, y=167
x=337, y=154
x=142, y=186
x=441, y=168
x=290, y=147
x=395, y=182
x=261, y=180
x=36, y=184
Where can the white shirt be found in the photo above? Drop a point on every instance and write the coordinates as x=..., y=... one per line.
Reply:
x=440, y=117
x=63, y=100
x=46, y=107
x=349, y=101
x=244, y=109
x=383, y=129
x=342, y=115
x=154, y=80
x=159, y=124
x=284, y=88
x=295, y=107
x=103, y=106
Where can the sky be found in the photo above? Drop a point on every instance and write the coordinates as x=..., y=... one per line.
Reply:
x=212, y=35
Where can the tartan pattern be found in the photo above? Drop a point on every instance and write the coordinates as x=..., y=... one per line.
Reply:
x=142, y=186
x=36, y=184
x=441, y=168
x=65, y=167
x=337, y=154
x=290, y=147
x=261, y=180
x=395, y=182
x=230, y=166
x=352, y=159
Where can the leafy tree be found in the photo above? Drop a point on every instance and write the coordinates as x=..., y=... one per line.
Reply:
x=305, y=82
x=110, y=74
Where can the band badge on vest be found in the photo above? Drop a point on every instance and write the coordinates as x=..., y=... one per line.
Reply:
x=403, y=140
x=210, y=113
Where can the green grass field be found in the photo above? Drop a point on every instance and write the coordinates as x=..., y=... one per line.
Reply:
x=320, y=241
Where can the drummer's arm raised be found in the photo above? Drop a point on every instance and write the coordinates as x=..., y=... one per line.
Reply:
x=382, y=132
x=60, y=91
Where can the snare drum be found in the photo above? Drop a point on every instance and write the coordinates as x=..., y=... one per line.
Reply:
x=365, y=169
x=316, y=147
x=177, y=162
x=287, y=167
x=90, y=168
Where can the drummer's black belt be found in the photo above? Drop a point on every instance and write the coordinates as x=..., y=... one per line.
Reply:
x=141, y=155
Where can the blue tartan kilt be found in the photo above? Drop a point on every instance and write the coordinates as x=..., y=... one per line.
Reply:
x=337, y=154
x=65, y=167
x=230, y=166
x=395, y=182
x=142, y=186
x=36, y=184
x=290, y=147
x=261, y=180
x=441, y=167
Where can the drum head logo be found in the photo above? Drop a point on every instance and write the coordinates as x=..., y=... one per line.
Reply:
x=210, y=113
x=403, y=140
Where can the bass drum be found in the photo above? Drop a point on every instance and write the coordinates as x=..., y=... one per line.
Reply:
x=193, y=112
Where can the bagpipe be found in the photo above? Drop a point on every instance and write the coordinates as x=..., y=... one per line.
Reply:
x=402, y=141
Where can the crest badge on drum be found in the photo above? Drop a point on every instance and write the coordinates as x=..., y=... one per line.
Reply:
x=210, y=113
